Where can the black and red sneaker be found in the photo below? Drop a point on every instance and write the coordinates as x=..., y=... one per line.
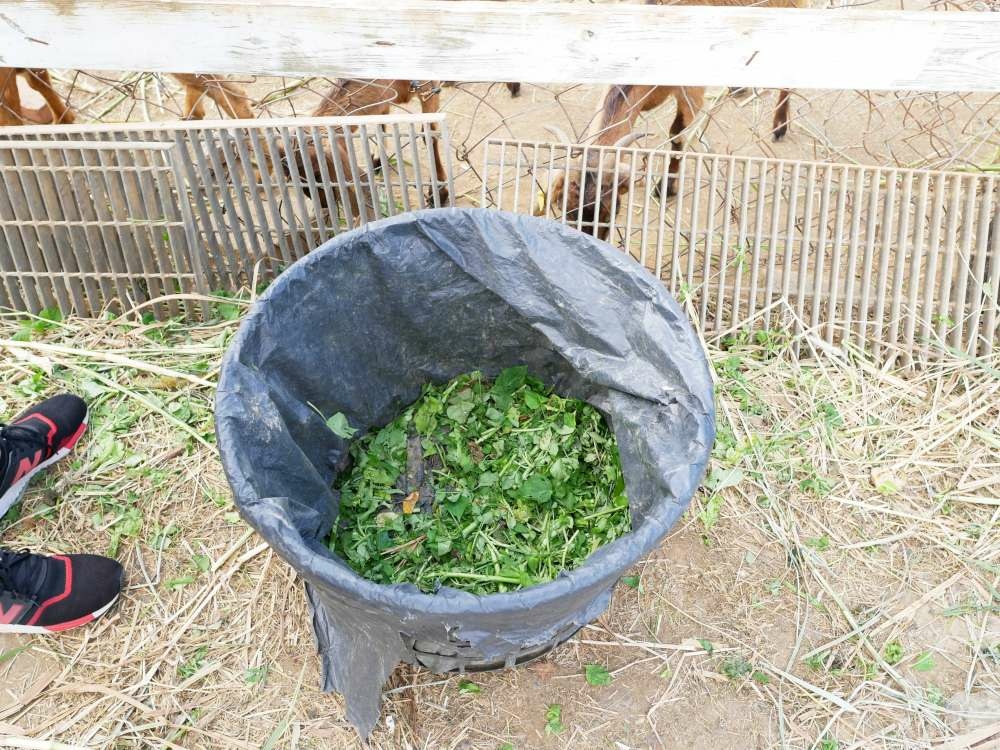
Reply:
x=35, y=439
x=41, y=594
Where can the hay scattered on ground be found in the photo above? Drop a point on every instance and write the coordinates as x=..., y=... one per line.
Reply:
x=835, y=588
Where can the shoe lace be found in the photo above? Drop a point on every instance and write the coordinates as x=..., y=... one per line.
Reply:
x=10, y=433
x=8, y=560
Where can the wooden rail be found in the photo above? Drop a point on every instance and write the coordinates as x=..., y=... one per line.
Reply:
x=512, y=41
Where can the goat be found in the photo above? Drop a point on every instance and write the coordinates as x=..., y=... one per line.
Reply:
x=374, y=97
x=12, y=112
x=620, y=107
x=231, y=97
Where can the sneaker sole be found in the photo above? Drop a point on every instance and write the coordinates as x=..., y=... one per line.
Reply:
x=16, y=491
x=59, y=627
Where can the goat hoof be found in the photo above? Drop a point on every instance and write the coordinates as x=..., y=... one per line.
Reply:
x=779, y=133
x=442, y=197
x=514, y=89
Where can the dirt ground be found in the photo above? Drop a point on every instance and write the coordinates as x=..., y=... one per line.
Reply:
x=837, y=589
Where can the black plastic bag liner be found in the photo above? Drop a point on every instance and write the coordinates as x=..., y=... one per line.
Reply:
x=360, y=324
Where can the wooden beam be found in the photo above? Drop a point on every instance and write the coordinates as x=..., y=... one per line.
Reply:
x=512, y=41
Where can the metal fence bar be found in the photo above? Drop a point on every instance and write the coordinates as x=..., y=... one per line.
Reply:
x=992, y=316
x=895, y=261
x=979, y=290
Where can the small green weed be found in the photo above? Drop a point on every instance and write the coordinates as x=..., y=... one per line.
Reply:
x=820, y=544
x=255, y=675
x=195, y=662
x=892, y=652
x=735, y=667
x=597, y=675
x=553, y=719
x=202, y=563
x=46, y=320
x=816, y=662
x=924, y=662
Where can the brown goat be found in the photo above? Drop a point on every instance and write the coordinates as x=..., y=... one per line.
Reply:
x=230, y=97
x=375, y=97
x=620, y=107
x=12, y=112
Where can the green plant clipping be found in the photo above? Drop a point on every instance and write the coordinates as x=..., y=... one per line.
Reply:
x=597, y=675
x=339, y=426
x=893, y=652
x=735, y=667
x=924, y=662
x=467, y=687
x=480, y=486
x=553, y=719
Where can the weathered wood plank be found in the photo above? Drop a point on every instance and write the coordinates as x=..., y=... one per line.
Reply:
x=512, y=41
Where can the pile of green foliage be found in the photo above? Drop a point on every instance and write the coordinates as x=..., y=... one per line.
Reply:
x=485, y=487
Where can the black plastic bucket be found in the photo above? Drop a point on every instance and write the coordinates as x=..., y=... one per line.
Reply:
x=360, y=324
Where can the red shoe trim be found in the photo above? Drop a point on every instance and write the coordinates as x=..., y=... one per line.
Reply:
x=27, y=465
x=71, y=624
x=58, y=597
x=9, y=616
x=42, y=418
x=73, y=439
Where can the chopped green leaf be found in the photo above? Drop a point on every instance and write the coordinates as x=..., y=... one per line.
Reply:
x=924, y=662
x=893, y=652
x=536, y=488
x=468, y=687
x=202, y=562
x=553, y=719
x=340, y=427
x=255, y=675
x=597, y=675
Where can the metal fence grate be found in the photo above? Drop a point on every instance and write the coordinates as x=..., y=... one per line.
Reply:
x=897, y=261
x=82, y=223
x=121, y=214
x=900, y=262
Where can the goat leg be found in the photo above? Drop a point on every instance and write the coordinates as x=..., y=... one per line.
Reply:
x=40, y=81
x=676, y=144
x=10, y=98
x=432, y=103
x=781, y=115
